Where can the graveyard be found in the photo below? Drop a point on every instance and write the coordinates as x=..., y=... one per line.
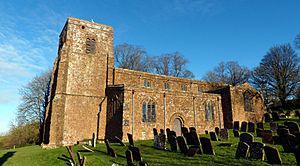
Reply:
x=219, y=147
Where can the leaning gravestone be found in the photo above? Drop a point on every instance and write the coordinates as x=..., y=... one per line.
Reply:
x=256, y=151
x=267, y=136
x=267, y=117
x=275, y=116
x=297, y=113
x=192, y=151
x=119, y=141
x=184, y=131
x=213, y=136
x=136, y=154
x=155, y=133
x=129, y=158
x=288, y=142
x=260, y=125
x=244, y=126
x=282, y=131
x=173, y=143
x=247, y=138
x=217, y=131
x=162, y=139
x=206, y=132
x=189, y=139
x=156, y=142
x=297, y=155
x=242, y=150
x=251, y=127
x=94, y=140
x=195, y=139
x=273, y=126
x=258, y=132
x=110, y=150
x=182, y=145
x=206, y=146
x=236, y=125
x=236, y=133
x=224, y=135
x=272, y=155
x=293, y=127
x=192, y=129
x=276, y=140
x=130, y=139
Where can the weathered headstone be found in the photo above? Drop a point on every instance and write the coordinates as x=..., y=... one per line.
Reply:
x=130, y=139
x=195, y=139
x=242, y=150
x=260, y=125
x=297, y=155
x=258, y=132
x=155, y=132
x=273, y=126
x=136, y=154
x=275, y=116
x=129, y=158
x=189, y=139
x=267, y=136
x=236, y=133
x=163, y=139
x=173, y=143
x=244, y=126
x=192, y=151
x=213, y=136
x=236, y=125
x=297, y=113
x=256, y=151
x=251, y=127
x=293, y=127
x=184, y=131
x=217, y=131
x=206, y=146
x=94, y=140
x=206, y=132
x=110, y=150
x=282, y=131
x=288, y=142
x=224, y=136
x=182, y=145
x=168, y=134
x=246, y=137
x=276, y=140
x=193, y=129
x=272, y=155
x=267, y=117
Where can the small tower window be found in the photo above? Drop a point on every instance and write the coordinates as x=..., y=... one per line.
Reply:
x=147, y=83
x=90, y=46
x=183, y=87
x=166, y=85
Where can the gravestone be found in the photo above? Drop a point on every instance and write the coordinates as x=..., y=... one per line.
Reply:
x=206, y=132
x=173, y=143
x=110, y=150
x=94, y=140
x=217, y=131
x=272, y=155
x=236, y=125
x=168, y=134
x=155, y=132
x=276, y=140
x=206, y=146
x=256, y=151
x=258, y=132
x=136, y=154
x=275, y=116
x=273, y=126
x=162, y=139
x=192, y=151
x=293, y=127
x=288, y=142
x=297, y=113
x=192, y=129
x=260, y=125
x=242, y=150
x=189, y=139
x=251, y=127
x=297, y=155
x=224, y=135
x=267, y=117
x=267, y=136
x=129, y=158
x=156, y=142
x=184, y=131
x=236, y=133
x=244, y=126
x=182, y=145
x=297, y=135
x=195, y=139
x=130, y=139
x=213, y=136
x=247, y=138
x=282, y=131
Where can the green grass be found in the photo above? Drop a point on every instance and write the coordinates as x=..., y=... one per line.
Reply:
x=35, y=155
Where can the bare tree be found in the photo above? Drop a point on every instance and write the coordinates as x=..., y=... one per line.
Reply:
x=278, y=72
x=34, y=97
x=229, y=73
x=132, y=57
x=173, y=64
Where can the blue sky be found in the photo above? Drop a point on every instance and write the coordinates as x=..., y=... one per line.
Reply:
x=206, y=32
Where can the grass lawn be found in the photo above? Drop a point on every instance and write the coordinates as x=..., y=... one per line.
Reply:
x=35, y=155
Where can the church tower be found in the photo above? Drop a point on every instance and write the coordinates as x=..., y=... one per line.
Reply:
x=81, y=73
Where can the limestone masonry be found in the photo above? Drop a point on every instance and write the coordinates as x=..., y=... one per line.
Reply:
x=88, y=95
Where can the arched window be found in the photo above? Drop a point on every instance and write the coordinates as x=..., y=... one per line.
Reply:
x=153, y=117
x=149, y=112
x=144, y=117
x=247, y=102
x=93, y=47
x=90, y=46
x=212, y=110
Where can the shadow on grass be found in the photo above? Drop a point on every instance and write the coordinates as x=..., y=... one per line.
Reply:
x=6, y=156
x=65, y=158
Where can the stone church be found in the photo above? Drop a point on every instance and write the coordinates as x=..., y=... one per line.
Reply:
x=89, y=95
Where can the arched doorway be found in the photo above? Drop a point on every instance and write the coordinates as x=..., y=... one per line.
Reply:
x=177, y=124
